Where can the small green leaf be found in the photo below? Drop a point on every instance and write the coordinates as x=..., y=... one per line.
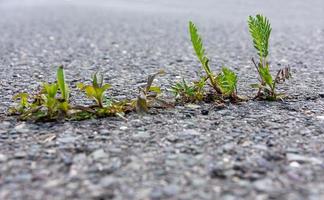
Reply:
x=90, y=91
x=51, y=104
x=50, y=89
x=255, y=85
x=97, y=90
x=62, y=84
x=189, y=92
x=227, y=81
x=200, y=52
x=106, y=87
x=23, y=99
x=64, y=106
x=80, y=86
x=266, y=76
x=95, y=80
x=260, y=29
x=155, y=89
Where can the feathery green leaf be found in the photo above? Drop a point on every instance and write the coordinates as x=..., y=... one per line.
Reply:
x=260, y=29
x=197, y=43
x=200, y=52
x=199, y=48
x=227, y=81
x=266, y=76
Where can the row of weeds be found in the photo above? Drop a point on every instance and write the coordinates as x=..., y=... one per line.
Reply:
x=52, y=102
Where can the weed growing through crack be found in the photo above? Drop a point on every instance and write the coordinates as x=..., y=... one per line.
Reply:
x=260, y=29
x=23, y=103
x=223, y=83
x=46, y=104
x=189, y=93
x=149, y=95
x=104, y=107
x=52, y=101
x=96, y=90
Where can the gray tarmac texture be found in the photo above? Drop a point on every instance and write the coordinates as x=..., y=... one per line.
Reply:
x=254, y=150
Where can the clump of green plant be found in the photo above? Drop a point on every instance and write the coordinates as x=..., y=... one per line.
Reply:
x=52, y=102
x=97, y=90
x=148, y=95
x=46, y=105
x=223, y=83
x=189, y=93
x=260, y=30
x=23, y=103
x=104, y=106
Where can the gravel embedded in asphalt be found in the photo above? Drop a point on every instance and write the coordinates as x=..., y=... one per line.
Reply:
x=253, y=150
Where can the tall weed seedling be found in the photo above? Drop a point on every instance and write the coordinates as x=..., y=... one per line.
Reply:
x=225, y=82
x=260, y=30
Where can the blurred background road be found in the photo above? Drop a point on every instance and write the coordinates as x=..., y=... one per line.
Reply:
x=303, y=13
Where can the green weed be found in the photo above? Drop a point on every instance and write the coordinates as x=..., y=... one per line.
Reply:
x=224, y=83
x=260, y=30
x=148, y=95
x=189, y=93
x=45, y=105
x=104, y=106
x=97, y=90
x=23, y=103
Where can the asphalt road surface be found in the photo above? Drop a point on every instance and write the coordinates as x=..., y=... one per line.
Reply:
x=254, y=150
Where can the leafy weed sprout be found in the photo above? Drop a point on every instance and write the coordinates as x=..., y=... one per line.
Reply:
x=104, y=106
x=260, y=30
x=149, y=95
x=52, y=101
x=46, y=105
x=189, y=93
x=97, y=90
x=223, y=83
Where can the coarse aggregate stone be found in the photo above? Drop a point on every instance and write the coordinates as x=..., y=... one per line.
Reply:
x=252, y=150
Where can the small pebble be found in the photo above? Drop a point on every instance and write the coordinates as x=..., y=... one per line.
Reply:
x=204, y=112
x=294, y=164
x=321, y=117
